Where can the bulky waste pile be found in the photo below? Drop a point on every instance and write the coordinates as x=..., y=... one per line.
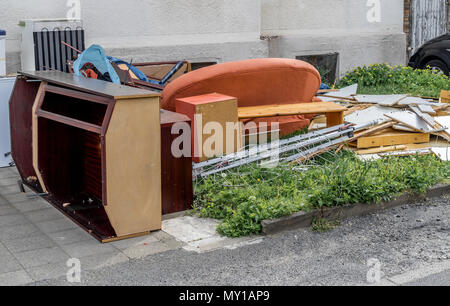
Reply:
x=397, y=125
x=376, y=126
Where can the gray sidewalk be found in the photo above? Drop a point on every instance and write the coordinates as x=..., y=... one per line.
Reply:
x=36, y=240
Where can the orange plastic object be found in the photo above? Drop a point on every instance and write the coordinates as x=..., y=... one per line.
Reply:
x=89, y=73
x=253, y=82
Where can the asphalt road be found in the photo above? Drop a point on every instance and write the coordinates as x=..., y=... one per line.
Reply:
x=401, y=240
x=440, y=279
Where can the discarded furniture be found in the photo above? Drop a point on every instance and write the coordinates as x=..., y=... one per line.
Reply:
x=41, y=43
x=333, y=111
x=254, y=83
x=93, y=148
x=164, y=71
x=176, y=173
x=159, y=73
x=213, y=108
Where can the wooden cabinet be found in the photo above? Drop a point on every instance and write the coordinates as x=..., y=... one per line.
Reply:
x=176, y=175
x=93, y=147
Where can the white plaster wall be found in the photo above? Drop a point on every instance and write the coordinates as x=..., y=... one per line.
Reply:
x=328, y=16
x=152, y=29
x=308, y=27
x=223, y=30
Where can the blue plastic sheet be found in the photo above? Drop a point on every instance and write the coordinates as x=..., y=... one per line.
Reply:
x=95, y=55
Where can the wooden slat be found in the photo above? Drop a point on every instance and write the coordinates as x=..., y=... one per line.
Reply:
x=392, y=138
x=35, y=141
x=445, y=96
x=289, y=109
x=372, y=131
x=69, y=121
x=77, y=94
x=96, y=87
x=382, y=150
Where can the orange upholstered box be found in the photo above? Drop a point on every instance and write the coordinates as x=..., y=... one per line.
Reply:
x=253, y=82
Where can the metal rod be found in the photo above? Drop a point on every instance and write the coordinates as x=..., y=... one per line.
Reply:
x=316, y=149
x=264, y=147
x=282, y=150
x=69, y=46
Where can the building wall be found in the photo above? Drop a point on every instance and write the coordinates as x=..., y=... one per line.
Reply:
x=152, y=30
x=321, y=26
x=224, y=30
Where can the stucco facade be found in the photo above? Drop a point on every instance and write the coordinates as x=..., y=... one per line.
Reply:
x=224, y=30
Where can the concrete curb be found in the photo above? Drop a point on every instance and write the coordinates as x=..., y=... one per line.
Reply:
x=304, y=219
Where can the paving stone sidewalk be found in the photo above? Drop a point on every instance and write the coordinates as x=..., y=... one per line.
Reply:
x=36, y=240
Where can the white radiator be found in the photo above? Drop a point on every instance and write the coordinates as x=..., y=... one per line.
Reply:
x=41, y=43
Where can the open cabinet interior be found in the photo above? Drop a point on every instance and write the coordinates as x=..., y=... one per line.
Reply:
x=74, y=108
x=70, y=160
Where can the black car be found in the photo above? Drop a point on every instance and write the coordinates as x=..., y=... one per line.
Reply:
x=434, y=53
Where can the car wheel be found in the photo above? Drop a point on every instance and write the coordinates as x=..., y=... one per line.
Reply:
x=438, y=66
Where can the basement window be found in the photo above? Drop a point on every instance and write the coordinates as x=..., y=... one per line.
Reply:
x=196, y=66
x=327, y=64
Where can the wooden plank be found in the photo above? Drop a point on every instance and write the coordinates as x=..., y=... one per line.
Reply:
x=392, y=138
x=34, y=126
x=70, y=121
x=372, y=131
x=334, y=119
x=382, y=150
x=133, y=167
x=97, y=87
x=289, y=109
x=20, y=117
x=445, y=96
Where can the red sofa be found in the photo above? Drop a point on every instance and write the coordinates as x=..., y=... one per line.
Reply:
x=254, y=82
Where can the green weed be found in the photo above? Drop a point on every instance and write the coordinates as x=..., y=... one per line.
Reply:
x=244, y=198
x=384, y=79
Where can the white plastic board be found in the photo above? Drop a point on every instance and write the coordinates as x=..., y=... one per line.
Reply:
x=346, y=92
x=411, y=120
x=444, y=121
x=442, y=153
x=426, y=109
x=370, y=114
x=384, y=100
x=418, y=101
x=6, y=87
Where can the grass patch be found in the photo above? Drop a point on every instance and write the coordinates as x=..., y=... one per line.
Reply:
x=244, y=198
x=384, y=79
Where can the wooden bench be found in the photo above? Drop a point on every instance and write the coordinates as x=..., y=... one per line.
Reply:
x=333, y=111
